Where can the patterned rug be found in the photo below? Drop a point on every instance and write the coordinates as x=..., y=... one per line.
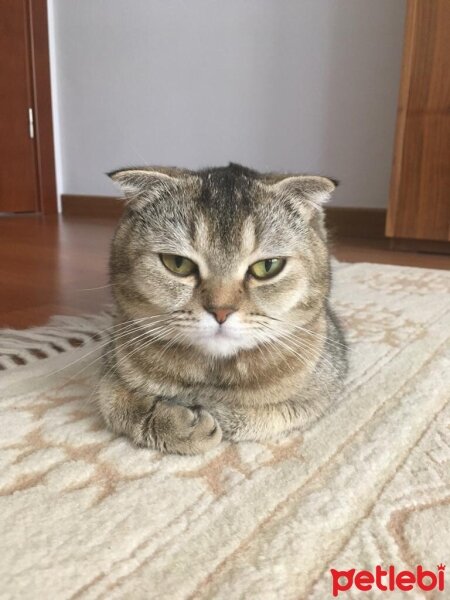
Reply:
x=83, y=514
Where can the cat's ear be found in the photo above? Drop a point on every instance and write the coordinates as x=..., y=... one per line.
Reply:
x=313, y=189
x=139, y=183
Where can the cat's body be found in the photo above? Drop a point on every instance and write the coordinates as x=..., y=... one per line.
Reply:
x=221, y=282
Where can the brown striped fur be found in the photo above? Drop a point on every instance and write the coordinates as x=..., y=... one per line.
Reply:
x=174, y=378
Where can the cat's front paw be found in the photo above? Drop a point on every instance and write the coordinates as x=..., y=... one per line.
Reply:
x=180, y=430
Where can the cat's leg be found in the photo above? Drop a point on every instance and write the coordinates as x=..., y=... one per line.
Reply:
x=268, y=421
x=157, y=422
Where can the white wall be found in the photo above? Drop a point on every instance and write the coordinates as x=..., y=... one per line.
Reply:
x=291, y=85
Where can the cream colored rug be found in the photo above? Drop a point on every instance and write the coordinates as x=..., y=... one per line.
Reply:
x=83, y=514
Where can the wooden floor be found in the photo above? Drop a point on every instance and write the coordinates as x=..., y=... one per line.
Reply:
x=57, y=265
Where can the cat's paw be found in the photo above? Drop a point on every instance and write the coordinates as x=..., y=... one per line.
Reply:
x=180, y=430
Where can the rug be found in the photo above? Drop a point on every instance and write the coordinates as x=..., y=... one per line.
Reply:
x=83, y=514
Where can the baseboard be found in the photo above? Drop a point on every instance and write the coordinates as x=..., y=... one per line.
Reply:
x=366, y=223
x=341, y=221
x=428, y=246
x=91, y=206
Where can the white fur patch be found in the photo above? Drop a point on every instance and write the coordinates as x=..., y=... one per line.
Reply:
x=222, y=340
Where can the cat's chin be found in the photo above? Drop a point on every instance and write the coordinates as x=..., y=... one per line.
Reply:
x=220, y=346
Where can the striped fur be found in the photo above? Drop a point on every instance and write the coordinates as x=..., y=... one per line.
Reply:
x=176, y=380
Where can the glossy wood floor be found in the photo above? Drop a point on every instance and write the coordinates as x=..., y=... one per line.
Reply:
x=58, y=265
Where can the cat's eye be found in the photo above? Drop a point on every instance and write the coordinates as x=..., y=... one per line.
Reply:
x=265, y=269
x=180, y=265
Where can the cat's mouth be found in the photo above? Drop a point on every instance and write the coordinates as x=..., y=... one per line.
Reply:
x=222, y=341
x=222, y=332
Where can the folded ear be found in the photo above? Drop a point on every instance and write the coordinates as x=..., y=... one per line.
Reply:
x=141, y=182
x=314, y=189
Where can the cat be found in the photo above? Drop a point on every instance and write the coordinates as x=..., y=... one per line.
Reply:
x=223, y=329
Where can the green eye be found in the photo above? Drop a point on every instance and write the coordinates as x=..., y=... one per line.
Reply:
x=265, y=269
x=180, y=265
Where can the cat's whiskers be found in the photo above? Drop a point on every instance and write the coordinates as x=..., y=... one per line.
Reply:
x=136, y=321
x=96, y=349
x=282, y=337
x=310, y=332
x=100, y=287
x=310, y=354
x=271, y=348
x=270, y=344
x=261, y=346
x=101, y=357
x=304, y=343
x=177, y=338
x=266, y=361
x=148, y=338
x=300, y=342
x=148, y=332
x=122, y=333
x=292, y=350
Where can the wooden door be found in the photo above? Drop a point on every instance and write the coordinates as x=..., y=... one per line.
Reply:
x=419, y=205
x=18, y=173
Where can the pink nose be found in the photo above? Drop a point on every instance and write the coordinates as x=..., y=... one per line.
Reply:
x=221, y=314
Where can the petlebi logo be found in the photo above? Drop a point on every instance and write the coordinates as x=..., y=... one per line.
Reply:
x=388, y=580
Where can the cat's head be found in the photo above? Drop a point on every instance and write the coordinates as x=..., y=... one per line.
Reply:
x=223, y=259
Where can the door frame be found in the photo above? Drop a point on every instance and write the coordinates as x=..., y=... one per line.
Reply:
x=39, y=65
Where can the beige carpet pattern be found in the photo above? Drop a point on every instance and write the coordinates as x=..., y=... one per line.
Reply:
x=83, y=514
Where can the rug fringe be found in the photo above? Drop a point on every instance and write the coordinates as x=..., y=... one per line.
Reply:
x=61, y=334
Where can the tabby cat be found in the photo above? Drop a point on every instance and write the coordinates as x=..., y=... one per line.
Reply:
x=223, y=328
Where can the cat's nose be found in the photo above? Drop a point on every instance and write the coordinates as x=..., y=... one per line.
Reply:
x=221, y=314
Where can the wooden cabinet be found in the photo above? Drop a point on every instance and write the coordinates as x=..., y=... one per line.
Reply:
x=419, y=206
